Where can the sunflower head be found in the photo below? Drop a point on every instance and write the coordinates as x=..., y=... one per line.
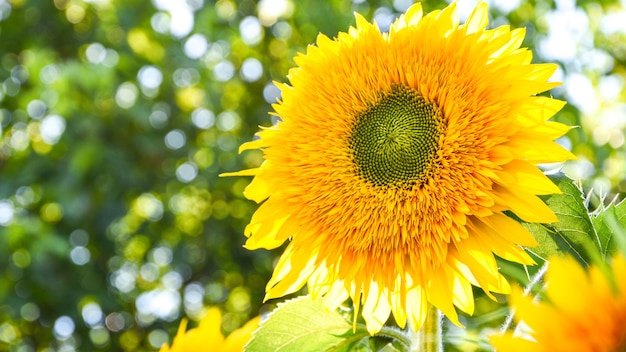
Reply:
x=394, y=160
x=394, y=141
x=592, y=319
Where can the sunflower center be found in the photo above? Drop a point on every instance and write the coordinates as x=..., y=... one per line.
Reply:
x=395, y=140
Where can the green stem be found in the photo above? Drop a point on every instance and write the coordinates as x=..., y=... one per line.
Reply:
x=395, y=334
x=429, y=338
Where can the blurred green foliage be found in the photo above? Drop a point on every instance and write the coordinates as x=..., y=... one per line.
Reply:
x=117, y=116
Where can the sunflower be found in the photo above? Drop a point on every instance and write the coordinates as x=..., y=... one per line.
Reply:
x=396, y=155
x=209, y=335
x=582, y=311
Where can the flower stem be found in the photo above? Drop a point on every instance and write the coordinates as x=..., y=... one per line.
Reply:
x=396, y=334
x=430, y=337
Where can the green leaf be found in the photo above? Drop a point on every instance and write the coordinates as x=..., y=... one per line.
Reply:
x=302, y=325
x=574, y=233
x=610, y=224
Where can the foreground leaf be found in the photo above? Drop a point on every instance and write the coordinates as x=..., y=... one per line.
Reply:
x=574, y=233
x=303, y=325
x=610, y=224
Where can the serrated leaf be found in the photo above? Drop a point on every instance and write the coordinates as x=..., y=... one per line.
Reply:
x=574, y=233
x=302, y=324
x=610, y=224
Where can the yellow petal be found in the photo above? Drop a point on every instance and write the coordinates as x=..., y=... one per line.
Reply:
x=247, y=172
x=416, y=307
x=376, y=307
x=528, y=177
x=488, y=237
x=291, y=273
x=510, y=230
x=539, y=151
x=478, y=19
x=441, y=289
x=463, y=294
x=256, y=144
x=259, y=189
x=527, y=206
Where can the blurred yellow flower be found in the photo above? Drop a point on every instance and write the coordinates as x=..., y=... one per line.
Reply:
x=208, y=335
x=582, y=311
x=396, y=155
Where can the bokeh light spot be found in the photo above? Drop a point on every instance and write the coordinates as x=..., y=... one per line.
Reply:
x=190, y=98
x=175, y=139
x=8, y=333
x=36, y=109
x=74, y=13
x=271, y=93
x=172, y=280
x=115, y=322
x=160, y=22
x=150, y=77
x=162, y=256
x=228, y=121
x=271, y=10
x=49, y=74
x=52, y=128
x=282, y=30
x=196, y=46
x=126, y=95
x=19, y=137
x=63, y=327
x=225, y=9
x=224, y=71
x=161, y=303
x=203, y=118
x=193, y=297
x=251, y=30
x=186, y=172
x=185, y=77
x=92, y=314
x=30, y=311
x=80, y=255
x=157, y=338
x=239, y=299
x=402, y=5
x=96, y=53
x=7, y=211
x=99, y=337
x=51, y=212
x=149, y=272
x=160, y=115
x=124, y=278
x=149, y=207
x=79, y=237
x=251, y=70
x=21, y=258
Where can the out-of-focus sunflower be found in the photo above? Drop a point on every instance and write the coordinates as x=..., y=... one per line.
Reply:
x=208, y=335
x=582, y=311
x=396, y=155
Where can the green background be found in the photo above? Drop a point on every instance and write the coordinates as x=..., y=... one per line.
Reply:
x=115, y=123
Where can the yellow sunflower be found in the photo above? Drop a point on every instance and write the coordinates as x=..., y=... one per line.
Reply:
x=208, y=335
x=394, y=159
x=583, y=312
